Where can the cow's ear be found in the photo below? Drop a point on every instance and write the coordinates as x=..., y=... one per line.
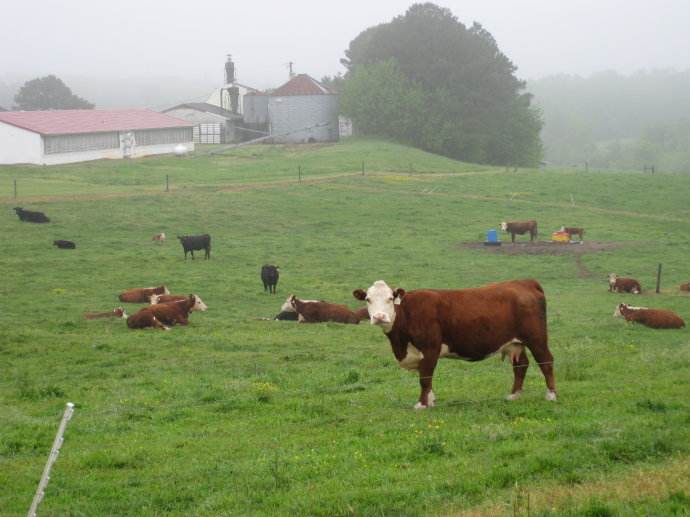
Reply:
x=359, y=294
x=399, y=293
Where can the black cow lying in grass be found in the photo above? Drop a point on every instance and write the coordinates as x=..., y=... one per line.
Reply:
x=64, y=245
x=196, y=242
x=31, y=217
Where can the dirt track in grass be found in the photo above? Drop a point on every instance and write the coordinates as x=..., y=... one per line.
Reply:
x=545, y=247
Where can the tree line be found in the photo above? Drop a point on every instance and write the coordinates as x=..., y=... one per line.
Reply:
x=428, y=80
x=617, y=121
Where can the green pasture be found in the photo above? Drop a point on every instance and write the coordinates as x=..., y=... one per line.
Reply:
x=236, y=416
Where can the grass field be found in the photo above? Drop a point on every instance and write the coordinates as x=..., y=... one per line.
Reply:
x=235, y=416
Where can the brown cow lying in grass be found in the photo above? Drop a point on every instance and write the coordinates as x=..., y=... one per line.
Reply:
x=623, y=285
x=169, y=298
x=117, y=312
x=164, y=315
x=320, y=311
x=685, y=287
x=653, y=318
x=141, y=294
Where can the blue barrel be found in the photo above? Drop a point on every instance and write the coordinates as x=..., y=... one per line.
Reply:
x=492, y=236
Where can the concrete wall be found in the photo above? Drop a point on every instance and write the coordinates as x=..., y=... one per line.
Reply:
x=294, y=112
x=19, y=145
x=255, y=109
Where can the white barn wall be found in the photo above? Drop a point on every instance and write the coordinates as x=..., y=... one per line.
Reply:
x=139, y=151
x=18, y=145
x=294, y=112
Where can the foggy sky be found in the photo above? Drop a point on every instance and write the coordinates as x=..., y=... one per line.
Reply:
x=189, y=39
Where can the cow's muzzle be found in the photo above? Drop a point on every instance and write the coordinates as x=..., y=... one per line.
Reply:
x=380, y=318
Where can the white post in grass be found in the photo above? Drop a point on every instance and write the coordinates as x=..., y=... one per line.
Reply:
x=40, y=491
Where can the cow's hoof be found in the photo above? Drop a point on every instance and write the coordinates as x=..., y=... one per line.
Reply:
x=514, y=396
x=419, y=405
x=550, y=395
x=431, y=399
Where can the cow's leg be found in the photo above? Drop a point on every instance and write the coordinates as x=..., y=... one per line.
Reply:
x=520, y=365
x=426, y=372
x=512, y=237
x=544, y=359
x=192, y=252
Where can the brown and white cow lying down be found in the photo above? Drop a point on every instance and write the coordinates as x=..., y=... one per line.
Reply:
x=685, y=287
x=623, y=285
x=117, y=312
x=141, y=294
x=320, y=311
x=170, y=298
x=163, y=315
x=469, y=324
x=521, y=228
x=653, y=318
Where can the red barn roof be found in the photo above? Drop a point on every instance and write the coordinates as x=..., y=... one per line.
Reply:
x=65, y=122
x=301, y=84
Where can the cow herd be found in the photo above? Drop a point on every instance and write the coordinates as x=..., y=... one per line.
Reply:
x=164, y=310
x=422, y=326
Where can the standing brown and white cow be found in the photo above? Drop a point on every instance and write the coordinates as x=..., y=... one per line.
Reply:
x=521, y=228
x=469, y=324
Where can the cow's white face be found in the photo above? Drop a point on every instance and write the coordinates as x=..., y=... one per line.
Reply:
x=612, y=278
x=380, y=300
x=199, y=305
x=617, y=313
x=287, y=306
x=504, y=226
x=165, y=290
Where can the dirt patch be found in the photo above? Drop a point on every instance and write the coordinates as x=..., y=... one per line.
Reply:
x=546, y=248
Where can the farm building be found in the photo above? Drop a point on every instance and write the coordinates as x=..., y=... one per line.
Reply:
x=68, y=136
x=212, y=124
x=303, y=110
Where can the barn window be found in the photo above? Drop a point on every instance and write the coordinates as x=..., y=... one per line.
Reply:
x=174, y=135
x=80, y=142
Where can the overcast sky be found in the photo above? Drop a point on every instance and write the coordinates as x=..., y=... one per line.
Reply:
x=189, y=39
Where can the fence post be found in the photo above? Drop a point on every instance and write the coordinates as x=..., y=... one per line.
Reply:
x=40, y=491
x=167, y=184
x=658, y=279
x=15, y=189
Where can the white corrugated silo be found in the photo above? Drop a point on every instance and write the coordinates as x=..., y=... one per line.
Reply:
x=303, y=110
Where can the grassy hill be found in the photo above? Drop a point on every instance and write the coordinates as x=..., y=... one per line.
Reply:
x=232, y=415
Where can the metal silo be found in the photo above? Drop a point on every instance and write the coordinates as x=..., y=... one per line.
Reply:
x=303, y=110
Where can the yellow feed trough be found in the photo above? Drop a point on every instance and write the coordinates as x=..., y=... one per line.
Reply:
x=560, y=237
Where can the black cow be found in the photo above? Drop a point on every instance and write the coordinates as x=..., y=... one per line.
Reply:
x=196, y=242
x=269, y=276
x=31, y=217
x=64, y=245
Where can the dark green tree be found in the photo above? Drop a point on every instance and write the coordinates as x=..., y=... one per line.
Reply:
x=472, y=105
x=45, y=93
x=334, y=83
